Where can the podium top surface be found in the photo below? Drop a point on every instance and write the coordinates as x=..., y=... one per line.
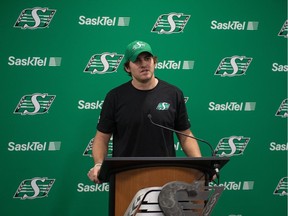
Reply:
x=115, y=165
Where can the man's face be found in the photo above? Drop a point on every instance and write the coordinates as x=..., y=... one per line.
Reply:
x=143, y=68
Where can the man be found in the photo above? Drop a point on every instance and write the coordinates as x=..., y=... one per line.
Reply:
x=128, y=109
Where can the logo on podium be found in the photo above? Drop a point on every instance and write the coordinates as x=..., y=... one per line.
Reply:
x=175, y=198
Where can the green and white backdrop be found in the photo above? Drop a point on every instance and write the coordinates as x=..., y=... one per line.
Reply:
x=58, y=59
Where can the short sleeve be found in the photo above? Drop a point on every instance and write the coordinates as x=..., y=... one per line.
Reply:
x=106, y=122
x=182, y=119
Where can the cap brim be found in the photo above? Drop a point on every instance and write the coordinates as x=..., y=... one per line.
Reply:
x=135, y=55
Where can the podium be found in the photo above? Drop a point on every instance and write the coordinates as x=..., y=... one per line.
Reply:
x=128, y=175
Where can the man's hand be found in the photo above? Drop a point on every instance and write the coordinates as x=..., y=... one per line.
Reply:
x=94, y=172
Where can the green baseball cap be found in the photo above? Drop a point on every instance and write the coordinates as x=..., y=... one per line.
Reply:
x=135, y=48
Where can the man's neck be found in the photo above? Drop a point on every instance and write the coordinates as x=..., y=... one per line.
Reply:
x=152, y=83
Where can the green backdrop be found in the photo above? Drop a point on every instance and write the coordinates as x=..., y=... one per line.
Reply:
x=58, y=59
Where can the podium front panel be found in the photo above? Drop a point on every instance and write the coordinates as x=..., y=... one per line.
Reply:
x=128, y=183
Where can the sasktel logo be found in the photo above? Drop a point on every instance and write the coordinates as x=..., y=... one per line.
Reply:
x=232, y=106
x=276, y=67
x=34, y=188
x=284, y=30
x=278, y=147
x=82, y=104
x=104, y=21
x=234, y=25
x=34, y=61
x=175, y=65
x=231, y=146
x=233, y=66
x=103, y=63
x=170, y=23
x=34, y=104
x=34, y=18
x=235, y=186
x=34, y=146
x=84, y=188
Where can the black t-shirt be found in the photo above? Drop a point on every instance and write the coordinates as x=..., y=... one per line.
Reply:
x=125, y=115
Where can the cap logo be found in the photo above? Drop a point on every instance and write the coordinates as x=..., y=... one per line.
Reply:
x=138, y=45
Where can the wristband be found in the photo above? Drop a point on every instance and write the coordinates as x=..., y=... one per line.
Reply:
x=98, y=164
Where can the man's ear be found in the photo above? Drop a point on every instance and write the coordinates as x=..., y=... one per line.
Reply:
x=127, y=69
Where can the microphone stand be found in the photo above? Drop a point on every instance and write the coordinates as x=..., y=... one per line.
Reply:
x=217, y=173
x=179, y=132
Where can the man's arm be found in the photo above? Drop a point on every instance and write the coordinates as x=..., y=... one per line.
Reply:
x=100, y=146
x=99, y=152
x=189, y=145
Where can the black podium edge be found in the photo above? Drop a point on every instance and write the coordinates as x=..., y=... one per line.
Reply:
x=114, y=165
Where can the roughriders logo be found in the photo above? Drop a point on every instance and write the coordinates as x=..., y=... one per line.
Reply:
x=231, y=146
x=145, y=202
x=233, y=66
x=104, y=63
x=88, y=150
x=175, y=198
x=283, y=109
x=138, y=45
x=163, y=106
x=34, y=104
x=33, y=18
x=282, y=187
x=34, y=188
x=284, y=30
x=170, y=23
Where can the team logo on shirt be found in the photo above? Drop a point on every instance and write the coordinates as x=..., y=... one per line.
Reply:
x=163, y=106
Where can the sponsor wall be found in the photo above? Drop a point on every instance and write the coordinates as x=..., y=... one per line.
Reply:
x=58, y=59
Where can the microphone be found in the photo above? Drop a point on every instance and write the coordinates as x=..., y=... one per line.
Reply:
x=179, y=132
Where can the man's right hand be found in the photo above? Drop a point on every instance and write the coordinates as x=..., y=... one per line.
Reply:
x=94, y=172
